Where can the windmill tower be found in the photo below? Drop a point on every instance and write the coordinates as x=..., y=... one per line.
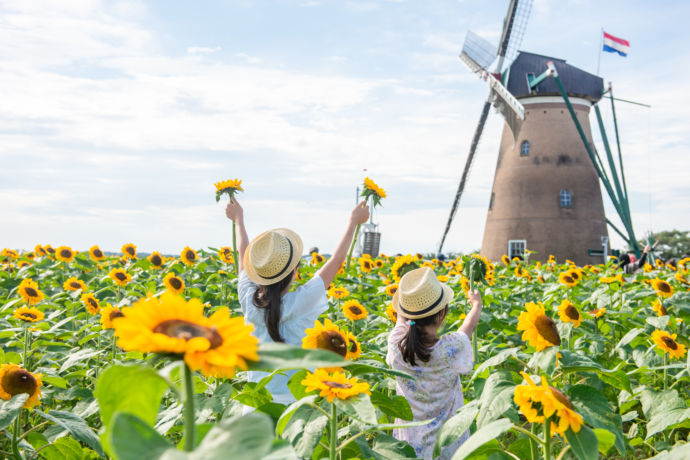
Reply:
x=546, y=195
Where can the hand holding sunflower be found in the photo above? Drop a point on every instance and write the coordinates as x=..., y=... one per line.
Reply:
x=230, y=187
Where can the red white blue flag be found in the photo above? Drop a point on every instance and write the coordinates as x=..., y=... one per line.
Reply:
x=616, y=45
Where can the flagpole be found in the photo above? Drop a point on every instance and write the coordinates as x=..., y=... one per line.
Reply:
x=601, y=46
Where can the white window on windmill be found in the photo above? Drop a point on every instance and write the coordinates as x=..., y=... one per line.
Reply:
x=516, y=248
x=566, y=199
x=524, y=148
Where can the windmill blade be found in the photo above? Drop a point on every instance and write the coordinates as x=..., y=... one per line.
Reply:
x=466, y=171
x=480, y=51
x=514, y=26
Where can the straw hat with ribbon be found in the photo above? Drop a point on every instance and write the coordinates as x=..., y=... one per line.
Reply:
x=272, y=256
x=421, y=294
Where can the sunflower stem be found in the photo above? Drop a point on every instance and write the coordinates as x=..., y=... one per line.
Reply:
x=352, y=247
x=15, y=435
x=113, y=349
x=665, y=363
x=234, y=249
x=25, y=355
x=547, y=438
x=533, y=444
x=333, y=444
x=189, y=428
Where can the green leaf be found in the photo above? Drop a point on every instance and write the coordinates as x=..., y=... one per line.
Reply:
x=456, y=426
x=77, y=357
x=55, y=381
x=248, y=437
x=546, y=359
x=295, y=384
x=395, y=406
x=629, y=337
x=274, y=356
x=594, y=408
x=385, y=447
x=496, y=398
x=304, y=429
x=281, y=450
x=617, y=379
x=76, y=426
x=606, y=439
x=485, y=434
x=133, y=389
x=663, y=409
x=361, y=368
x=584, y=443
x=682, y=451
x=254, y=395
x=131, y=438
x=290, y=411
x=9, y=409
x=495, y=360
x=64, y=449
x=359, y=407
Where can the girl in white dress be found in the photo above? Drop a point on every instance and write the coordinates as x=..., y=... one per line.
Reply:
x=268, y=265
x=436, y=363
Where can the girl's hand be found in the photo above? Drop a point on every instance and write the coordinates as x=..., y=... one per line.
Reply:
x=234, y=211
x=360, y=214
x=475, y=298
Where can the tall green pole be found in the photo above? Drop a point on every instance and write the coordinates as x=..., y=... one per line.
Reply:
x=618, y=141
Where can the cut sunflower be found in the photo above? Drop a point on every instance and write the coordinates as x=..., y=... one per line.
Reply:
x=120, y=276
x=74, y=284
x=174, y=283
x=169, y=324
x=156, y=260
x=538, y=329
x=354, y=310
x=334, y=385
x=371, y=189
x=64, y=254
x=15, y=380
x=326, y=336
x=668, y=343
x=188, y=256
x=569, y=314
x=662, y=288
x=230, y=186
x=29, y=291
x=28, y=314
x=129, y=251
x=96, y=254
x=91, y=303
x=225, y=254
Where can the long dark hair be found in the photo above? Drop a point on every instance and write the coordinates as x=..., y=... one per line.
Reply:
x=268, y=297
x=417, y=342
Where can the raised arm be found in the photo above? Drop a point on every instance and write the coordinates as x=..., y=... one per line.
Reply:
x=235, y=213
x=470, y=323
x=358, y=216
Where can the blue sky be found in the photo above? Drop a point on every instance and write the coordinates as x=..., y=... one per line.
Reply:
x=118, y=116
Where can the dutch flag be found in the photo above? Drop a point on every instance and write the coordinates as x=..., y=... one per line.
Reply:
x=616, y=45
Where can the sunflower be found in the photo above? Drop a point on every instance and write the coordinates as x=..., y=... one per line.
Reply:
x=662, y=288
x=120, y=276
x=156, y=260
x=365, y=265
x=354, y=310
x=539, y=330
x=64, y=254
x=428, y=264
x=569, y=314
x=230, y=186
x=540, y=279
x=402, y=265
x=15, y=380
x=338, y=292
x=659, y=308
x=551, y=260
x=174, y=283
x=354, y=349
x=29, y=291
x=108, y=314
x=520, y=272
x=443, y=278
x=225, y=254
x=74, y=284
x=392, y=313
x=188, y=256
x=505, y=259
x=378, y=263
x=465, y=284
x=598, y=312
x=169, y=324
x=684, y=262
x=91, y=303
x=326, y=336
x=24, y=263
x=9, y=253
x=129, y=251
x=317, y=258
x=334, y=385
x=537, y=402
x=96, y=254
x=370, y=188
x=667, y=343
x=646, y=268
x=29, y=314
x=681, y=277
x=40, y=252
x=567, y=279
x=391, y=289
x=607, y=279
x=49, y=250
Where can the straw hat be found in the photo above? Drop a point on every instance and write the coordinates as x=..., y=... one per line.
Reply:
x=421, y=294
x=272, y=256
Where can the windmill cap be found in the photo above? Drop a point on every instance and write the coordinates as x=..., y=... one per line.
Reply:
x=421, y=294
x=272, y=256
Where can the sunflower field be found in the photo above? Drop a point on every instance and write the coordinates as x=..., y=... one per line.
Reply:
x=132, y=357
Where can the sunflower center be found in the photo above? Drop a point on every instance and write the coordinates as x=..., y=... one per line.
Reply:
x=338, y=385
x=18, y=381
x=175, y=282
x=561, y=397
x=189, y=255
x=75, y=285
x=568, y=279
x=156, y=259
x=116, y=314
x=93, y=302
x=28, y=315
x=120, y=276
x=664, y=286
x=66, y=253
x=130, y=250
x=332, y=340
x=572, y=313
x=355, y=310
x=669, y=342
x=31, y=292
x=393, y=290
x=353, y=347
x=98, y=253
x=547, y=329
x=181, y=329
x=574, y=275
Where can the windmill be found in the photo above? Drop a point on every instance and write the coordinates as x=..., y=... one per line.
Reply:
x=546, y=193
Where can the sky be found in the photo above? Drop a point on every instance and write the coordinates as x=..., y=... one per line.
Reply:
x=118, y=116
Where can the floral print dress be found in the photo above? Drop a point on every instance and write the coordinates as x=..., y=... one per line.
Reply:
x=436, y=391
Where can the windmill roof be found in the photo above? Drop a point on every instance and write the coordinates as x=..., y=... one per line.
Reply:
x=577, y=82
